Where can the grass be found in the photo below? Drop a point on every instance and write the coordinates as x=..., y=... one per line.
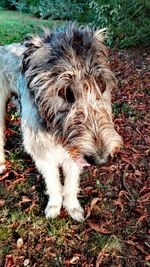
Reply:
x=14, y=26
x=123, y=108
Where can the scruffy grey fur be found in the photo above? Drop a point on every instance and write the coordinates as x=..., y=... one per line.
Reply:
x=10, y=58
x=64, y=83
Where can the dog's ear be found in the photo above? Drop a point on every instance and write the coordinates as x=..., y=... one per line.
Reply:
x=33, y=43
x=99, y=37
x=26, y=58
x=106, y=80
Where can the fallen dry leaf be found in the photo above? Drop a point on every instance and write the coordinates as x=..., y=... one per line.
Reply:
x=92, y=205
x=9, y=261
x=100, y=228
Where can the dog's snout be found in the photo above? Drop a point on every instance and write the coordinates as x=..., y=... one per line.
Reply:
x=95, y=160
x=90, y=159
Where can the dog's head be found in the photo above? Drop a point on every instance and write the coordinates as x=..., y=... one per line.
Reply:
x=68, y=75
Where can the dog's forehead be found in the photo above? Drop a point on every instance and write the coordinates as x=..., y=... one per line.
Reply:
x=71, y=47
x=74, y=38
x=75, y=47
x=80, y=42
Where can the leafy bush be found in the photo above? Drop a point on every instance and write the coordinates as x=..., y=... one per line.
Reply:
x=128, y=20
x=28, y=6
x=5, y=4
x=134, y=24
x=105, y=14
x=50, y=9
x=20, y=5
x=57, y=9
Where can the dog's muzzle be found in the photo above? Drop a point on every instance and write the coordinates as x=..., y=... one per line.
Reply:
x=95, y=160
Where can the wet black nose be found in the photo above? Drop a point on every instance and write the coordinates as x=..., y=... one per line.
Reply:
x=95, y=160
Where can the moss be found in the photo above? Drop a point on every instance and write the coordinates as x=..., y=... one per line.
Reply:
x=4, y=233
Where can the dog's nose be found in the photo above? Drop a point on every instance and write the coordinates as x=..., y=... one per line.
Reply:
x=95, y=160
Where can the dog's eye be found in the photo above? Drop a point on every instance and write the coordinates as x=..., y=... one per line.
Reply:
x=61, y=93
x=67, y=94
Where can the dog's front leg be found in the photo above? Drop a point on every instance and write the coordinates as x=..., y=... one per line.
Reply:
x=71, y=189
x=47, y=166
x=50, y=173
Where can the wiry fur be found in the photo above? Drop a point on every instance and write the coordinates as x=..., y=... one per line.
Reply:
x=10, y=57
x=65, y=90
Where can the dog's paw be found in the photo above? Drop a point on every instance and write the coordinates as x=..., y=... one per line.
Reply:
x=53, y=209
x=74, y=209
x=76, y=214
x=2, y=168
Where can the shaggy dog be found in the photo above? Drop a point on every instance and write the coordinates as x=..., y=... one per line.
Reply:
x=64, y=84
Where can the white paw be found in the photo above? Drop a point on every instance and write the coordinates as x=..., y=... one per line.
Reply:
x=53, y=208
x=2, y=168
x=52, y=211
x=74, y=209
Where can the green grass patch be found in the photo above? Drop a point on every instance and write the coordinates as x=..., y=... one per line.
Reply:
x=16, y=157
x=97, y=242
x=4, y=233
x=123, y=108
x=14, y=26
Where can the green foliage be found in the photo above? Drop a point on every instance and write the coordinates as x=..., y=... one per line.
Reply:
x=56, y=9
x=128, y=21
x=20, y=5
x=26, y=6
x=64, y=9
x=105, y=14
x=5, y=3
